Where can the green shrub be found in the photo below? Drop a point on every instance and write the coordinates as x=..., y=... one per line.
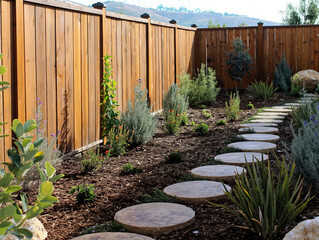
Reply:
x=250, y=106
x=188, y=177
x=282, y=75
x=238, y=61
x=84, y=193
x=305, y=151
x=206, y=114
x=201, y=106
x=229, y=150
x=266, y=204
x=130, y=169
x=110, y=226
x=296, y=86
x=233, y=107
x=173, y=121
x=92, y=161
x=174, y=100
x=118, y=139
x=201, y=129
x=184, y=119
x=193, y=124
x=262, y=90
x=202, y=89
x=174, y=157
x=156, y=196
x=304, y=112
x=220, y=122
x=138, y=118
x=109, y=114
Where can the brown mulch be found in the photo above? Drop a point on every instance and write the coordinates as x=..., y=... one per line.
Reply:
x=116, y=191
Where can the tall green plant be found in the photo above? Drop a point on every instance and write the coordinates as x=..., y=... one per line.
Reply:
x=109, y=114
x=304, y=112
x=174, y=100
x=282, y=75
x=238, y=61
x=262, y=90
x=267, y=204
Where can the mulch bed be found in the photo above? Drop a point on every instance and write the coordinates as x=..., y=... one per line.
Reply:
x=116, y=191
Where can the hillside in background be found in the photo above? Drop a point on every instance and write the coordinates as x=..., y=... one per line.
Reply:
x=185, y=18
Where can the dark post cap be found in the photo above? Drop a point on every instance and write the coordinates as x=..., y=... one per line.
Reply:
x=260, y=23
x=145, y=15
x=194, y=25
x=172, y=21
x=98, y=5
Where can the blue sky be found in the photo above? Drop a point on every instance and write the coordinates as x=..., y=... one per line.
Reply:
x=263, y=9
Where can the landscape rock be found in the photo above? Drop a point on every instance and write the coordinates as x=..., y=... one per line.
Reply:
x=310, y=78
x=306, y=230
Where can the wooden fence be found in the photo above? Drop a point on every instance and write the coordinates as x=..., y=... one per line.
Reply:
x=53, y=50
x=266, y=46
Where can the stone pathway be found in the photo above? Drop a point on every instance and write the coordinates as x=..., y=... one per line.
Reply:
x=197, y=191
x=218, y=172
x=163, y=218
x=113, y=236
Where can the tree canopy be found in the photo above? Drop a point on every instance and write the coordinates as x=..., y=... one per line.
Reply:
x=306, y=13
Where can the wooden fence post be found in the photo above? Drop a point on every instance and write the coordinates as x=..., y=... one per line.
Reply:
x=149, y=82
x=260, y=52
x=176, y=62
x=101, y=6
x=19, y=60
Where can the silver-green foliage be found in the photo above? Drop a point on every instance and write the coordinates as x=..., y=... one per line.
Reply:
x=305, y=151
x=138, y=117
x=304, y=112
x=202, y=89
x=282, y=75
x=174, y=100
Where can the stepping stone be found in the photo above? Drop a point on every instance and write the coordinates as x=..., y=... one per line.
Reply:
x=155, y=218
x=260, y=137
x=309, y=95
x=113, y=236
x=197, y=191
x=265, y=120
x=281, y=106
x=263, y=124
x=260, y=129
x=277, y=109
x=269, y=117
x=240, y=158
x=218, y=172
x=272, y=114
x=293, y=104
x=251, y=146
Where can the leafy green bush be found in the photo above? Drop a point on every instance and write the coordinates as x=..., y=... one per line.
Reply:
x=138, y=118
x=202, y=89
x=174, y=100
x=262, y=90
x=220, y=122
x=156, y=196
x=206, y=114
x=201, y=106
x=304, y=112
x=282, y=75
x=250, y=106
x=193, y=124
x=233, y=107
x=305, y=151
x=109, y=114
x=84, y=193
x=201, y=129
x=228, y=150
x=174, y=157
x=266, y=204
x=238, y=61
x=296, y=85
x=173, y=121
x=184, y=119
x=119, y=138
x=129, y=169
x=110, y=226
x=92, y=161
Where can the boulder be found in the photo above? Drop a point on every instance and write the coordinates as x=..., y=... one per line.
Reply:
x=33, y=225
x=306, y=230
x=310, y=79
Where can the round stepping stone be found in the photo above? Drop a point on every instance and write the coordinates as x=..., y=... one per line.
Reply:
x=251, y=146
x=277, y=110
x=260, y=129
x=218, y=172
x=197, y=191
x=282, y=106
x=293, y=104
x=269, y=117
x=249, y=125
x=260, y=137
x=272, y=114
x=155, y=218
x=265, y=120
x=240, y=158
x=309, y=95
x=113, y=236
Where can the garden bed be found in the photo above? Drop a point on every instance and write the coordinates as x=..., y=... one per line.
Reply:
x=116, y=191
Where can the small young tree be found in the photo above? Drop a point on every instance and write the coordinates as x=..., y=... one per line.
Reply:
x=282, y=75
x=238, y=61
